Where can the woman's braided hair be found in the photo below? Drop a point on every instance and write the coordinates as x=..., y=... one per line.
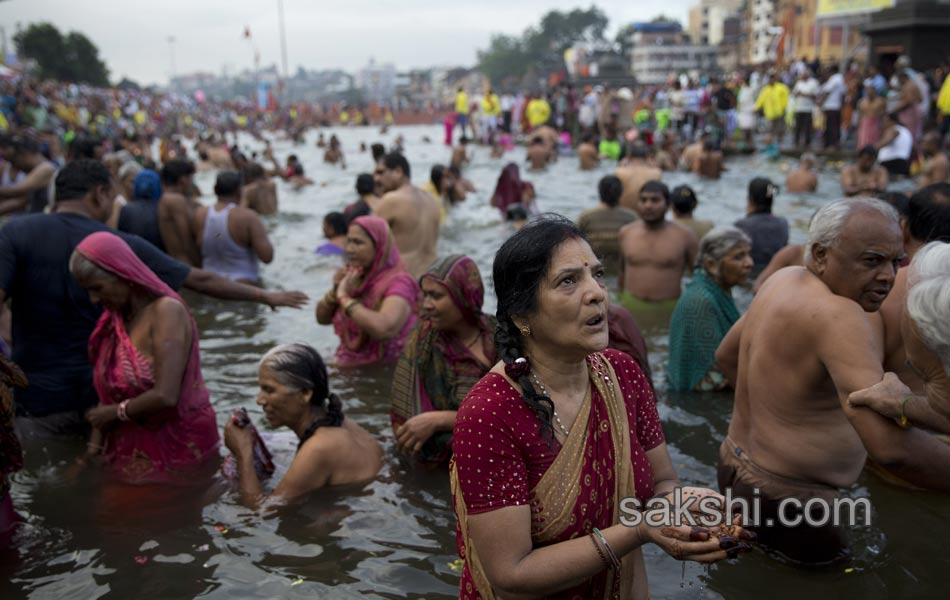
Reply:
x=299, y=367
x=520, y=266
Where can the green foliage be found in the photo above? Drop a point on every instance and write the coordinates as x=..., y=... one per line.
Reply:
x=510, y=56
x=66, y=58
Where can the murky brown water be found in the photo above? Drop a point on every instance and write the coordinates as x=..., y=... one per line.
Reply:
x=395, y=537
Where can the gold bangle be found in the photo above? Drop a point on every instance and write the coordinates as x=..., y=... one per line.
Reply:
x=349, y=306
x=903, y=422
x=330, y=298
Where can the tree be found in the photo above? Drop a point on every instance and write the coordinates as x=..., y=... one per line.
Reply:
x=69, y=58
x=510, y=56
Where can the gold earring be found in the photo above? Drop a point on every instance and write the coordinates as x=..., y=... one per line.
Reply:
x=525, y=330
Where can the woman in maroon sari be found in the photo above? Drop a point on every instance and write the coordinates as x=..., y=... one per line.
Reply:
x=154, y=423
x=513, y=195
x=554, y=437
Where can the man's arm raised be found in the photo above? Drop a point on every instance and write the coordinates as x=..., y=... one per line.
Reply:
x=852, y=352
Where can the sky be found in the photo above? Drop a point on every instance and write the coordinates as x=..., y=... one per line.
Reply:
x=133, y=37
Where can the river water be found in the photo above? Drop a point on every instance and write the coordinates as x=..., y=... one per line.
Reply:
x=395, y=537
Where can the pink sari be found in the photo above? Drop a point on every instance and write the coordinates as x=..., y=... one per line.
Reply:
x=164, y=446
x=386, y=276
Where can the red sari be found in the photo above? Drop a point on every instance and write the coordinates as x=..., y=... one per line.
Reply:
x=501, y=459
x=167, y=445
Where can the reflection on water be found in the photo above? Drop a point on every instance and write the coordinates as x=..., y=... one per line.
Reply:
x=395, y=537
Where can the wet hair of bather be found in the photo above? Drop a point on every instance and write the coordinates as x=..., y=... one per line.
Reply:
x=300, y=368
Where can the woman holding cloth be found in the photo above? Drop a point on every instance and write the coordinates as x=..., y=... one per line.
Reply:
x=373, y=300
x=550, y=441
x=446, y=354
x=154, y=422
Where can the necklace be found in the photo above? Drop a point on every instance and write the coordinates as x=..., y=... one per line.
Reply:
x=557, y=419
x=478, y=336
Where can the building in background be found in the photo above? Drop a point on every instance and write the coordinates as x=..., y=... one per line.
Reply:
x=707, y=20
x=729, y=51
x=919, y=29
x=759, y=32
x=827, y=29
x=377, y=82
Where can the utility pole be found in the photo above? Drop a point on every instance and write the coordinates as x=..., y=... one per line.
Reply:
x=283, y=38
x=171, y=51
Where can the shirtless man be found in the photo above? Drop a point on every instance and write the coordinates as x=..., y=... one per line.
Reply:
x=936, y=167
x=460, y=153
x=656, y=252
x=865, y=177
x=666, y=157
x=259, y=192
x=710, y=163
x=216, y=157
x=690, y=156
x=587, y=154
x=803, y=180
x=926, y=339
x=792, y=255
x=928, y=220
x=807, y=342
x=634, y=171
x=549, y=135
x=176, y=212
x=413, y=215
x=538, y=154
x=29, y=195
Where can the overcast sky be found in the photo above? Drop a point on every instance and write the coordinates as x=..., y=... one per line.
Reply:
x=133, y=36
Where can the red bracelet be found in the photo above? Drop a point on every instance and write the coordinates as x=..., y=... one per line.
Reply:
x=121, y=412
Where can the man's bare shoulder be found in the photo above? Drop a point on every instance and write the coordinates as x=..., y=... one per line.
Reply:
x=631, y=228
x=173, y=199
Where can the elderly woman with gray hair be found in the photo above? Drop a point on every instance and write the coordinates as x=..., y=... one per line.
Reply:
x=706, y=310
x=333, y=450
x=925, y=329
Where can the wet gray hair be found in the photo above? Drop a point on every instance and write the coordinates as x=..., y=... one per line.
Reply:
x=129, y=168
x=826, y=225
x=300, y=368
x=297, y=366
x=84, y=269
x=928, y=298
x=718, y=243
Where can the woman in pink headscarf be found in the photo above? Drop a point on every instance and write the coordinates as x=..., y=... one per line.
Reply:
x=154, y=422
x=372, y=305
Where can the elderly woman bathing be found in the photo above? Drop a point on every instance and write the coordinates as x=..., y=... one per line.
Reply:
x=154, y=422
x=550, y=441
x=333, y=450
x=706, y=310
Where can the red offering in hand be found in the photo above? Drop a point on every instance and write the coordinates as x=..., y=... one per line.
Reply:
x=263, y=461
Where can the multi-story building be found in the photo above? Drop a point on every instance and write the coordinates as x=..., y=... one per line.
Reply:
x=707, y=20
x=661, y=51
x=657, y=64
x=808, y=36
x=759, y=31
